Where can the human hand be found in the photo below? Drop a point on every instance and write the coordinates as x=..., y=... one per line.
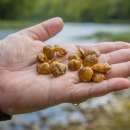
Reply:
x=23, y=90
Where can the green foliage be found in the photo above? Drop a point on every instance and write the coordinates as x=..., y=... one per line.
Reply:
x=83, y=11
x=16, y=9
x=120, y=121
x=17, y=23
x=104, y=36
x=69, y=10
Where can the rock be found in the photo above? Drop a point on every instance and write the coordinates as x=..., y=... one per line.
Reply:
x=74, y=121
x=35, y=126
x=58, y=127
x=26, y=125
x=44, y=117
x=69, y=109
x=12, y=123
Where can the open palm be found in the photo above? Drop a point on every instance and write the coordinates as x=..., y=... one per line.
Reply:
x=23, y=90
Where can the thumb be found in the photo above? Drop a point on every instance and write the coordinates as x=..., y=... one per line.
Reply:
x=44, y=30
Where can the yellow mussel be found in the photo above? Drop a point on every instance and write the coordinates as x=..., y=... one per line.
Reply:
x=85, y=74
x=58, y=69
x=75, y=56
x=55, y=60
x=43, y=68
x=98, y=77
x=48, y=50
x=74, y=65
x=90, y=60
x=42, y=57
x=102, y=67
x=80, y=53
x=93, y=51
x=60, y=50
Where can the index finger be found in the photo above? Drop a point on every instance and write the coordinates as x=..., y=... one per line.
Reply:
x=105, y=47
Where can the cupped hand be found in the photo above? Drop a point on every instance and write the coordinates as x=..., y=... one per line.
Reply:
x=23, y=90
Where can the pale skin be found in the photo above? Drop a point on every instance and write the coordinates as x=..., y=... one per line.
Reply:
x=23, y=90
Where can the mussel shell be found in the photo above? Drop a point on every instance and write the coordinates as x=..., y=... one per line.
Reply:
x=85, y=74
x=58, y=69
x=60, y=51
x=42, y=57
x=55, y=60
x=75, y=56
x=48, y=50
x=101, y=67
x=43, y=68
x=74, y=65
x=98, y=77
x=93, y=51
x=90, y=60
x=80, y=53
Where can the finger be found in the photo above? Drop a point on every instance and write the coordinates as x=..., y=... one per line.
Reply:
x=106, y=47
x=83, y=91
x=44, y=30
x=115, y=57
x=119, y=70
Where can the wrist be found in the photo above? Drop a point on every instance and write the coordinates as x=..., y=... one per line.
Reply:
x=4, y=117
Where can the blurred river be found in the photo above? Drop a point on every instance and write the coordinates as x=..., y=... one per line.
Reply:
x=71, y=33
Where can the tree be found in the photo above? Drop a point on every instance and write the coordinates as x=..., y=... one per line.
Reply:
x=16, y=9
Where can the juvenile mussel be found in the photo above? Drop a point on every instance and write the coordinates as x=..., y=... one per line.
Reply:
x=74, y=64
x=49, y=51
x=43, y=68
x=55, y=60
x=101, y=67
x=92, y=51
x=42, y=57
x=60, y=50
x=80, y=53
x=85, y=74
x=98, y=77
x=90, y=60
x=74, y=56
x=57, y=68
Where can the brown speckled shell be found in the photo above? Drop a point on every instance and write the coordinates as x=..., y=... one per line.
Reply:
x=101, y=67
x=80, y=53
x=58, y=69
x=42, y=57
x=75, y=56
x=85, y=74
x=55, y=60
x=60, y=50
x=43, y=68
x=90, y=60
x=98, y=77
x=49, y=51
x=93, y=51
x=74, y=65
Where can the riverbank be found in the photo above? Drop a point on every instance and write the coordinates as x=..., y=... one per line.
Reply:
x=16, y=23
x=101, y=36
x=114, y=115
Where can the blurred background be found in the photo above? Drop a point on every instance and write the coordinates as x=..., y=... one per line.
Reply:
x=86, y=21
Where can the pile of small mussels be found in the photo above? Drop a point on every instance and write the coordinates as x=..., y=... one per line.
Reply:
x=91, y=70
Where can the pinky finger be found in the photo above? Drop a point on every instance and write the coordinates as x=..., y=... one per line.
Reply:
x=83, y=91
